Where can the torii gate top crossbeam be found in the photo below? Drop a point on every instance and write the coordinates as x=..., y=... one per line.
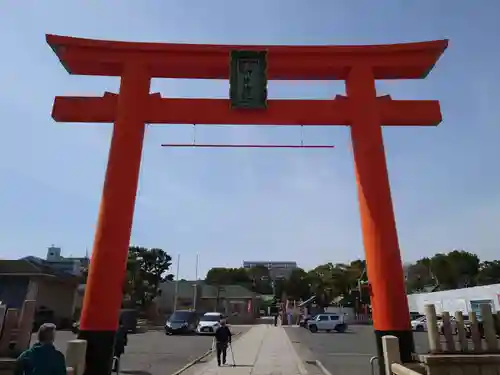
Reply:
x=205, y=61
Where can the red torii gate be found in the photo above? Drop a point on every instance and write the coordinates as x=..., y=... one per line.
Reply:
x=361, y=109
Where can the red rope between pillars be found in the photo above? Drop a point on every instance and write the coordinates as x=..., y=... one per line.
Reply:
x=243, y=145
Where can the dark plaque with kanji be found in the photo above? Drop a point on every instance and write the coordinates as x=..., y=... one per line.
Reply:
x=248, y=79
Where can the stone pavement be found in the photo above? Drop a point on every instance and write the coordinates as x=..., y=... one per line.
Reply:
x=264, y=350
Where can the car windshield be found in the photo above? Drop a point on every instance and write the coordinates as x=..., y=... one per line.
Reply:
x=180, y=316
x=210, y=318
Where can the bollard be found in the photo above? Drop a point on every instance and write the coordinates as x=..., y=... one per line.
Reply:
x=75, y=356
x=462, y=339
x=489, y=329
x=9, y=326
x=3, y=311
x=25, y=326
x=390, y=346
x=432, y=329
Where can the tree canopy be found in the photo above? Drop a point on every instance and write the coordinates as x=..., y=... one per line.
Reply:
x=325, y=281
x=341, y=282
x=456, y=269
x=344, y=282
x=226, y=276
x=146, y=269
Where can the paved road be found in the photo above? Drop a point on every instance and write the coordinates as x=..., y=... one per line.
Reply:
x=154, y=353
x=346, y=353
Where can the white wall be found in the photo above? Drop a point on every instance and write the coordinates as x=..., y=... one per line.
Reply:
x=455, y=300
x=57, y=296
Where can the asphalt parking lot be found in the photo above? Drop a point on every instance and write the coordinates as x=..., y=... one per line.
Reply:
x=346, y=353
x=153, y=352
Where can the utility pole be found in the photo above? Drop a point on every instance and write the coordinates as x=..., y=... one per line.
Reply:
x=195, y=293
x=177, y=282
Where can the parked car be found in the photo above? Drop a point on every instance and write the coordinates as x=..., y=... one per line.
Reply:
x=453, y=323
x=327, y=322
x=420, y=324
x=128, y=317
x=182, y=321
x=415, y=315
x=209, y=323
x=480, y=327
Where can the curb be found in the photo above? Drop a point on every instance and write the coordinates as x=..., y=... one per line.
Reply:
x=155, y=328
x=298, y=360
x=306, y=357
x=322, y=368
x=203, y=356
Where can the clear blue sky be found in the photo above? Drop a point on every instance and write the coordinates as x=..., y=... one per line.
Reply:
x=235, y=205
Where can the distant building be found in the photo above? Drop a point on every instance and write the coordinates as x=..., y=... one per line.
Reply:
x=23, y=279
x=58, y=263
x=277, y=270
x=239, y=303
x=71, y=265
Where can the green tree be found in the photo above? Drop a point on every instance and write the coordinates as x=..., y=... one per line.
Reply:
x=358, y=276
x=146, y=269
x=489, y=273
x=419, y=276
x=227, y=276
x=456, y=269
x=465, y=266
x=258, y=273
x=218, y=276
x=329, y=281
x=298, y=285
x=261, y=280
x=240, y=276
x=344, y=278
x=155, y=264
x=279, y=289
x=321, y=284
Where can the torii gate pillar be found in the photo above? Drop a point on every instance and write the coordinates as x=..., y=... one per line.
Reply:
x=378, y=224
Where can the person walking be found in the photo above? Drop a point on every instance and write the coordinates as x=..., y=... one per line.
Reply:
x=121, y=341
x=222, y=340
x=42, y=358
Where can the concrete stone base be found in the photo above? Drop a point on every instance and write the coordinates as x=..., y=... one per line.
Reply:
x=472, y=363
x=7, y=366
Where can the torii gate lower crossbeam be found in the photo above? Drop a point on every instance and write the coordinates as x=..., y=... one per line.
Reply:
x=137, y=63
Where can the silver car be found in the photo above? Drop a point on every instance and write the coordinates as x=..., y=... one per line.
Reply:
x=327, y=322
